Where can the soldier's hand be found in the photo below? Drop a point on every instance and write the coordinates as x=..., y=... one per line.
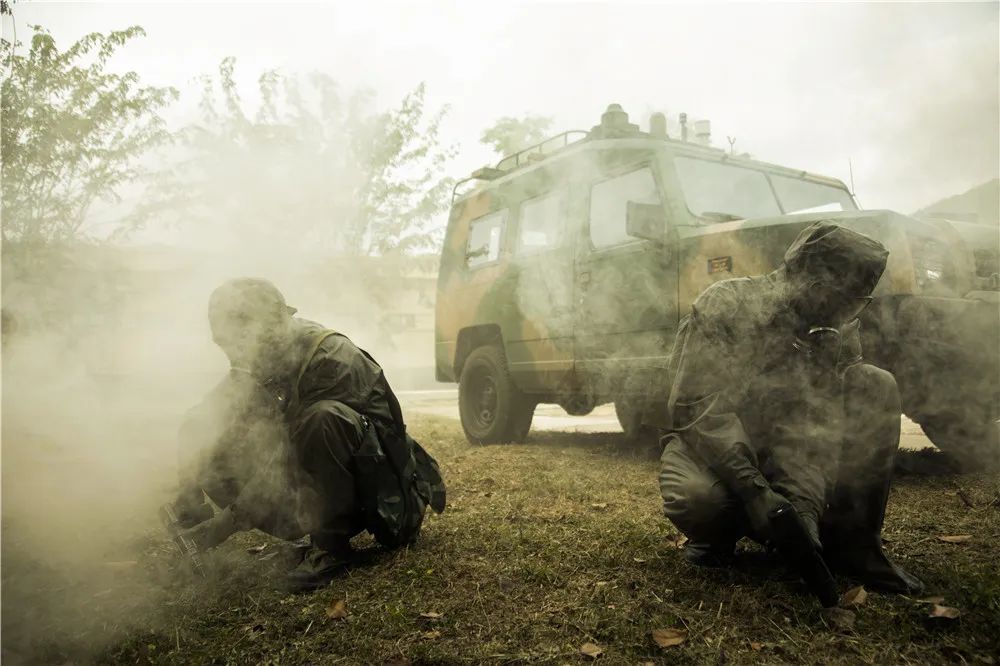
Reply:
x=758, y=507
x=212, y=532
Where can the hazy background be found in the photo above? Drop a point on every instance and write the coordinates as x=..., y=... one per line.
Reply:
x=114, y=348
x=908, y=92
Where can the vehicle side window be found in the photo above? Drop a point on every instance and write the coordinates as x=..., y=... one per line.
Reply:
x=609, y=202
x=485, y=237
x=540, y=223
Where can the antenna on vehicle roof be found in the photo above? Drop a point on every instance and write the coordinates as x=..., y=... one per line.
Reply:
x=850, y=170
x=732, y=144
x=684, y=127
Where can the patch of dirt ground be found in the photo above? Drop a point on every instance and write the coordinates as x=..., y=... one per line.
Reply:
x=554, y=550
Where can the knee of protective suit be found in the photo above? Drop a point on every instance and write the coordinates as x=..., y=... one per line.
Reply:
x=871, y=387
x=695, y=500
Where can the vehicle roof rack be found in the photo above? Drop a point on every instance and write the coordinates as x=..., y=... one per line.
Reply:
x=540, y=150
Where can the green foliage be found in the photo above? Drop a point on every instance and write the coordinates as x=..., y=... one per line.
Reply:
x=311, y=166
x=509, y=135
x=71, y=133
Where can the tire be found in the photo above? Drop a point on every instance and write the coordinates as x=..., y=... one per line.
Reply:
x=630, y=418
x=973, y=443
x=492, y=409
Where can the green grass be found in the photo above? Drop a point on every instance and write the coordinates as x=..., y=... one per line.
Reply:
x=545, y=546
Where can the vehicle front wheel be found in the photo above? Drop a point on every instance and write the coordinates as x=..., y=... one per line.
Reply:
x=491, y=407
x=630, y=417
x=971, y=440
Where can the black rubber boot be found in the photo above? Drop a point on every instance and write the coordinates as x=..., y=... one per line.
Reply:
x=319, y=567
x=852, y=525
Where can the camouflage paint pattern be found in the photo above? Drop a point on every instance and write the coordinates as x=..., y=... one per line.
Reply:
x=575, y=320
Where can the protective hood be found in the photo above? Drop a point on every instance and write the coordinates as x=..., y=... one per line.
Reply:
x=826, y=252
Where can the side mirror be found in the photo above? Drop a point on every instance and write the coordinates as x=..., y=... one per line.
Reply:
x=645, y=221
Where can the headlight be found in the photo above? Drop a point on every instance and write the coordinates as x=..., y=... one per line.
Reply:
x=931, y=262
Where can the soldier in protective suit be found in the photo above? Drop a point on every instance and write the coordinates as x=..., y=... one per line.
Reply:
x=771, y=404
x=304, y=436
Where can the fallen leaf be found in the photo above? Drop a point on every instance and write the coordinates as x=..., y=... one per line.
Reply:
x=838, y=618
x=253, y=550
x=958, y=538
x=678, y=541
x=669, y=637
x=337, y=610
x=945, y=612
x=591, y=650
x=638, y=560
x=854, y=596
x=431, y=635
x=430, y=615
x=931, y=600
x=755, y=646
x=599, y=506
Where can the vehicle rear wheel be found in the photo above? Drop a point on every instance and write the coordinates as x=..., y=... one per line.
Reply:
x=491, y=407
x=971, y=439
x=630, y=417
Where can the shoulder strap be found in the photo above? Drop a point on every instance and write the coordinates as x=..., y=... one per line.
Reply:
x=313, y=348
x=394, y=409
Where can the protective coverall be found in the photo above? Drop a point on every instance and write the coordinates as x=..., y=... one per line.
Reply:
x=276, y=444
x=280, y=462
x=771, y=401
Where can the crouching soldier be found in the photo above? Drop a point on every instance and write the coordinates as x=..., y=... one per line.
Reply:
x=773, y=408
x=304, y=436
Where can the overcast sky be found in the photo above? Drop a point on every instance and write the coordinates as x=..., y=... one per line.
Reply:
x=909, y=93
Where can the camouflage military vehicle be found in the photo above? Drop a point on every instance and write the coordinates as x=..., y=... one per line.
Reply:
x=567, y=267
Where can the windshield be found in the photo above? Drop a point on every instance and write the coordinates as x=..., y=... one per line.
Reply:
x=803, y=196
x=722, y=192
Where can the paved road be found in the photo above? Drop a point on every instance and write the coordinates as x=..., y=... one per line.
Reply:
x=444, y=402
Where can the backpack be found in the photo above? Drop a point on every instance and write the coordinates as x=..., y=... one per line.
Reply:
x=396, y=478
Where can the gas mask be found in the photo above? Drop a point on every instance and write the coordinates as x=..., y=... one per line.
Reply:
x=821, y=345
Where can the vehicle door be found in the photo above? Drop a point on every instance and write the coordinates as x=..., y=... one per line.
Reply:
x=540, y=349
x=626, y=287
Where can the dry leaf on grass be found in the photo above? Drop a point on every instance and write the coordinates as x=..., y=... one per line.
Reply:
x=638, y=560
x=838, y=618
x=944, y=612
x=958, y=538
x=854, y=596
x=431, y=635
x=669, y=637
x=337, y=610
x=253, y=550
x=430, y=615
x=677, y=541
x=755, y=646
x=599, y=506
x=591, y=650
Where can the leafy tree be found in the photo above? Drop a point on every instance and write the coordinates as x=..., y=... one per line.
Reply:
x=509, y=135
x=310, y=166
x=71, y=134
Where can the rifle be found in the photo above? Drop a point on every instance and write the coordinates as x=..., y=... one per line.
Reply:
x=186, y=545
x=793, y=542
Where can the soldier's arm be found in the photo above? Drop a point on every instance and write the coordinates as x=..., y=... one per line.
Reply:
x=715, y=351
